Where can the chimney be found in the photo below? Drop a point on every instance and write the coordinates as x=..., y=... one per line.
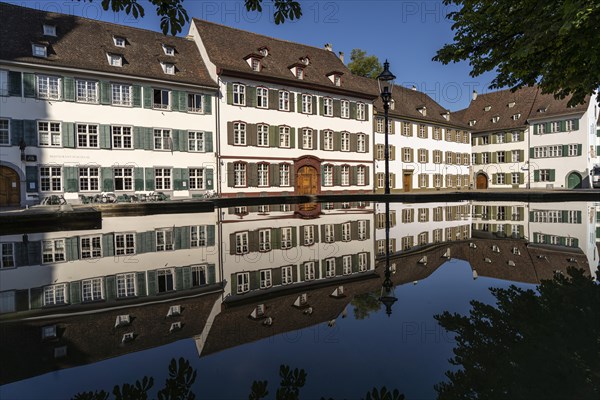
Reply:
x=414, y=87
x=474, y=95
x=328, y=46
x=341, y=56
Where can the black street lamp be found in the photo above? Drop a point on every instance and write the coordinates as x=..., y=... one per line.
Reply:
x=386, y=86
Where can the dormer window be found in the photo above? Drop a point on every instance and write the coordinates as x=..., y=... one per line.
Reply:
x=119, y=41
x=49, y=30
x=472, y=122
x=516, y=116
x=488, y=108
x=392, y=104
x=115, y=60
x=337, y=80
x=299, y=72
x=168, y=68
x=495, y=119
x=305, y=61
x=169, y=50
x=255, y=63
x=542, y=109
x=422, y=110
x=446, y=116
x=39, y=50
x=263, y=51
x=511, y=104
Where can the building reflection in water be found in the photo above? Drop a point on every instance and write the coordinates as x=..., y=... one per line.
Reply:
x=245, y=273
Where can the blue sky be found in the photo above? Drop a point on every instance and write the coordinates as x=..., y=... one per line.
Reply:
x=407, y=33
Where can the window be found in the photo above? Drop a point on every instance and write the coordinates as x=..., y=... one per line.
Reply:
x=346, y=232
x=474, y=158
x=162, y=99
x=327, y=140
x=555, y=126
x=485, y=158
x=345, y=146
x=8, y=256
x=262, y=135
x=501, y=138
x=49, y=134
x=262, y=97
x=380, y=152
x=122, y=137
x=515, y=178
x=123, y=178
x=39, y=50
x=168, y=68
x=3, y=83
x=286, y=238
x=500, y=179
x=361, y=143
x=55, y=294
x=87, y=136
x=198, y=275
x=165, y=280
x=307, y=138
x=328, y=175
x=53, y=250
x=422, y=155
x=126, y=285
x=328, y=107
x=50, y=179
x=49, y=30
x=91, y=247
x=87, y=91
x=307, y=103
x=89, y=179
x=330, y=267
x=239, y=94
x=284, y=136
x=361, y=111
x=569, y=125
x=124, y=244
x=169, y=50
x=345, y=109
x=363, y=261
x=115, y=60
x=284, y=100
x=265, y=278
x=286, y=275
x=162, y=178
x=243, y=282
x=337, y=80
x=406, y=129
x=263, y=174
x=437, y=135
x=423, y=180
x=309, y=235
x=501, y=156
x=329, y=233
x=196, y=178
x=91, y=289
x=545, y=175
x=299, y=72
x=239, y=133
x=121, y=94
x=407, y=154
x=485, y=140
x=255, y=63
x=162, y=139
x=198, y=236
x=361, y=175
x=407, y=242
x=284, y=175
x=422, y=131
x=345, y=175
x=164, y=239
x=309, y=271
x=241, y=243
x=239, y=174
x=48, y=87
x=195, y=141
x=194, y=103
x=119, y=41
x=572, y=150
x=379, y=123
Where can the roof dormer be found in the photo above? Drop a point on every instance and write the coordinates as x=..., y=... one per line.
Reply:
x=423, y=110
x=542, y=109
x=49, y=30
x=495, y=119
x=335, y=77
x=114, y=60
x=254, y=61
x=511, y=104
x=263, y=51
x=446, y=115
x=169, y=50
x=305, y=61
x=487, y=108
x=516, y=116
x=168, y=68
x=119, y=41
x=472, y=122
x=39, y=50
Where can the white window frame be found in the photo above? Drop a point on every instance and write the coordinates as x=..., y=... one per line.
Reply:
x=262, y=97
x=48, y=87
x=196, y=178
x=86, y=91
x=53, y=251
x=125, y=244
x=196, y=141
x=8, y=255
x=39, y=50
x=361, y=173
x=345, y=175
x=262, y=174
x=119, y=41
x=307, y=139
x=241, y=243
x=114, y=60
x=329, y=267
x=287, y=276
x=286, y=238
x=51, y=130
x=239, y=174
x=284, y=174
x=345, y=141
x=327, y=175
x=308, y=233
x=125, y=176
x=327, y=140
x=126, y=285
x=284, y=136
x=198, y=236
x=92, y=289
x=284, y=100
x=90, y=247
x=347, y=265
x=165, y=99
x=195, y=103
x=51, y=177
x=361, y=112
x=88, y=178
x=266, y=280
x=243, y=282
x=328, y=106
x=363, y=260
x=88, y=136
x=344, y=108
x=262, y=135
x=55, y=294
x=163, y=178
x=162, y=139
x=165, y=239
x=121, y=95
x=309, y=271
x=346, y=232
x=307, y=104
x=361, y=143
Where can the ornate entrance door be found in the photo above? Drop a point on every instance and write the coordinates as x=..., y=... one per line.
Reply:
x=482, y=181
x=10, y=187
x=307, y=181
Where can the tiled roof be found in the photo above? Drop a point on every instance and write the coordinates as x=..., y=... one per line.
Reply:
x=554, y=107
x=84, y=43
x=228, y=48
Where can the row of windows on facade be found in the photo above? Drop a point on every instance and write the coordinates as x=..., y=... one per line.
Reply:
x=51, y=87
x=503, y=156
x=97, y=246
x=567, y=125
x=565, y=150
x=556, y=216
x=514, y=230
x=406, y=129
x=284, y=238
x=239, y=94
x=448, y=234
x=263, y=135
x=107, y=179
x=309, y=270
x=423, y=180
x=453, y=213
x=242, y=174
x=96, y=136
x=266, y=208
x=500, y=213
x=498, y=138
x=422, y=155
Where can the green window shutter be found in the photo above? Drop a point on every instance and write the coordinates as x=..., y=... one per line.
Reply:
x=207, y=102
x=337, y=141
x=105, y=142
x=16, y=131
x=578, y=217
x=522, y=155
x=183, y=101
x=75, y=292
x=175, y=100
x=68, y=88
x=367, y=180
x=250, y=96
x=521, y=136
x=71, y=179
x=531, y=152
x=175, y=133
x=229, y=132
x=293, y=103
x=136, y=95
x=182, y=237
x=536, y=129
x=536, y=175
x=28, y=84
x=14, y=83
x=148, y=96
x=151, y=282
x=178, y=278
x=210, y=235
x=138, y=174
x=562, y=126
x=34, y=251
x=273, y=136
x=110, y=287
x=274, y=175
x=315, y=101
x=108, y=245
x=105, y=92
x=252, y=174
x=494, y=157
x=575, y=124
x=579, y=149
x=229, y=93
x=211, y=276
x=209, y=174
x=72, y=248
x=230, y=175
x=138, y=137
x=521, y=178
x=273, y=99
x=298, y=101
x=292, y=138
x=507, y=178
x=107, y=179
x=140, y=243
x=148, y=139
x=141, y=284
x=177, y=180
x=321, y=106
x=183, y=140
x=353, y=112
x=149, y=173
x=337, y=108
x=187, y=277
x=494, y=139
x=565, y=150
x=208, y=142
x=337, y=175
x=68, y=134
x=552, y=175
x=30, y=132
x=494, y=178
x=31, y=175
x=353, y=175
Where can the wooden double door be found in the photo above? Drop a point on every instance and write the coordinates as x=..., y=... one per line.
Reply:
x=307, y=181
x=10, y=187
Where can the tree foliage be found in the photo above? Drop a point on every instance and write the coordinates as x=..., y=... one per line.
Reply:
x=173, y=15
x=363, y=65
x=365, y=304
x=552, y=43
x=531, y=345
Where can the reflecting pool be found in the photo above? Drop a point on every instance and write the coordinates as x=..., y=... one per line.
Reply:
x=240, y=291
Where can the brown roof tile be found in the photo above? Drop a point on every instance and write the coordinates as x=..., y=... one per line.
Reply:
x=84, y=43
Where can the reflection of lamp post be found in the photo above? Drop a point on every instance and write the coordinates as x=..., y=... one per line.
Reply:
x=386, y=85
x=22, y=146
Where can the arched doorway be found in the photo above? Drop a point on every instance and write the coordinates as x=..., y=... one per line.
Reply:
x=10, y=187
x=482, y=181
x=307, y=181
x=574, y=180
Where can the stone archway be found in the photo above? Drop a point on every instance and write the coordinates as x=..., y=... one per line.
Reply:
x=10, y=187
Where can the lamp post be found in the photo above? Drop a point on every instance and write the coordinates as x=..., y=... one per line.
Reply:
x=385, y=81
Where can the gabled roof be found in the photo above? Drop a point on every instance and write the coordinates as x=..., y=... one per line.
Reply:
x=555, y=107
x=84, y=43
x=228, y=47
